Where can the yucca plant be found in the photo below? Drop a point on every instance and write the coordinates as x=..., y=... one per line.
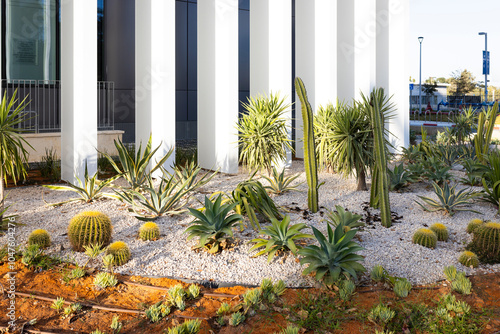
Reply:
x=280, y=184
x=212, y=226
x=335, y=256
x=465, y=123
x=448, y=199
x=263, y=132
x=169, y=197
x=399, y=177
x=344, y=140
x=135, y=168
x=282, y=238
x=13, y=154
x=89, y=189
x=250, y=197
x=345, y=218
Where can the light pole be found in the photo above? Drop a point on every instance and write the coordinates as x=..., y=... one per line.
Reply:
x=420, y=39
x=486, y=64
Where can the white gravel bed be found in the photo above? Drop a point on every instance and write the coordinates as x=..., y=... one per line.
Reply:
x=172, y=256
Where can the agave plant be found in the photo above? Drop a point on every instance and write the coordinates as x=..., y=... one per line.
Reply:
x=187, y=175
x=448, y=199
x=438, y=175
x=345, y=218
x=472, y=172
x=335, y=256
x=412, y=154
x=251, y=196
x=491, y=195
x=90, y=189
x=263, y=132
x=213, y=225
x=280, y=184
x=153, y=202
x=399, y=177
x=135, y=168
x=282, y=237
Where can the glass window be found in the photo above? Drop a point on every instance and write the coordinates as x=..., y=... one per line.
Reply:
x=31, y=39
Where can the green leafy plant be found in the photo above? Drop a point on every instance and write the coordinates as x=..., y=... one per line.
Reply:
x=193, y=291
x=136, y=168
x=153, y=313
x=469, y=259
x=32, y=255
x=486, y=242
x=472, y=172
x=310, y=163
x=224, y=309
x=282, y=238
x=263, y=132
x=252, y=297
x=402, y=288
x=120, y=252
x=89, y=228
x=448, y=199
x=399, y=177
x=116, y=325
x=187, y=176
x=438, y=175
x=77, y=273
x=381, y=314
x=378, y=273
x=58, y=304
x=451, y=273
x=250, y=197
x=279, y=288
x=13, y=153
x=440, y=230
x=290, y=330
x=90, y=189
x=346, y=289
x=39, y=237
x=50, y=166
x=280, y=184
x=425, y=237
x=334, y=257
x=464, y=124
x=149, y=231
x=345, y=218
x=411, y=154
x=461, y=284
x=236, y=319
x=103, y=280
x=212, y=226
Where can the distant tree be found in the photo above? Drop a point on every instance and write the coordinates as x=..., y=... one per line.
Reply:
x=441, y=80
x=429, y=89
x=462, y=82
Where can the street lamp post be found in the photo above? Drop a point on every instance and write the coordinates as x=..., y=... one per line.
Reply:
x=485, y=65
x=420, y=39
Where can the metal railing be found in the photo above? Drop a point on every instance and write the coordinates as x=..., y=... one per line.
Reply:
x=43, y=111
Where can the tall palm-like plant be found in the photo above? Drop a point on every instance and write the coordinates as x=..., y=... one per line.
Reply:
x=13, y=155
x=344, y=140
x=263, y=132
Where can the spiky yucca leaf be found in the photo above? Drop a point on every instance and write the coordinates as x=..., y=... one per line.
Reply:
x=280, y=184
x=213, y=225
x=335, y=255
x=448, y=199
x=282, y=237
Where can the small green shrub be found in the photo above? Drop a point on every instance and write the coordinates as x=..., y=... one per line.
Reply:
x=378, y=273
x=462, y=284
x=39, y=237
x=120, y=252
x=402, y=288
x=469, y=259
x=236, y=319
x=89, y=228
x=346, y=289
x=381, y=314
x=103, y=280
x=50, y=166
x=149, y=231
x=440, y=230
x=425, y=237
x=451, y=273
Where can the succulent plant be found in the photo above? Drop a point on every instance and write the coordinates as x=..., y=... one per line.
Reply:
x=378, y=273
x=89, y=228
x=440, y=230
x=236, y=319
x=252, y=297
x=474, y=224
x=104, y=280
x=451, y=273
x=224, y=309
x=486, y=242
x=469, y=259
x=279, y=288
x=461, y=284
x=39, y=237
x=120, y=252
x=346, y=289
x=381, y=313
x=191, y=326
x=58, y=304
x=402, y=287
x=345, y=218
x=193, y=291
x=425, y=237
x=149, y=231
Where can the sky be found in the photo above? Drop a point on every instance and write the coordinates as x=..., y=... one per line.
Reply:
x=451, y=42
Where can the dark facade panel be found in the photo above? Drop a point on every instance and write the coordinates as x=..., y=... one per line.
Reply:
x=181, y=45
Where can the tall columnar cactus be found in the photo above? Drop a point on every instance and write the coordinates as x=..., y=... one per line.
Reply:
x=39, y=237
x=486, y=242
x=310, y=163
x=89, y=228
x=482, y=139
x=120, y=252
x=380, y=182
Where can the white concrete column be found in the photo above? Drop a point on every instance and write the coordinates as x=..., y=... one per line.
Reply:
x=271, y=51
x=365, y=30
x=218, y=84
x=315, y=57
x=155, y=76
x=78, y=88
x=346, y=51
x=393, y=28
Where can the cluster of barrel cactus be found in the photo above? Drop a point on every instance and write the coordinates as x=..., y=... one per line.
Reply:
x=485, y=240
x=428, y=237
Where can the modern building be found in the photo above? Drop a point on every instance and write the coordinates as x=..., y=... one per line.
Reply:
x=178, y=69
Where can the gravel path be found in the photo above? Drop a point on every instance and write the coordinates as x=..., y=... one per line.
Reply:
x=172, y=255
